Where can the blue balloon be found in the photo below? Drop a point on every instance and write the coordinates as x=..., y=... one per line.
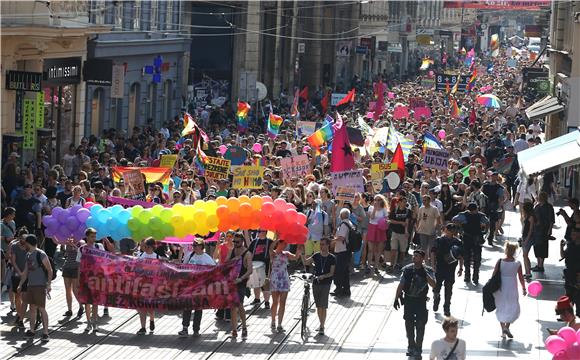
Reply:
x=95, y=209
x=92, y=222
x=103, y=215
x=115, y=209
x=124, y=216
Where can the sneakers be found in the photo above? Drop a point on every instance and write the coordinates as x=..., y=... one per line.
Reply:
x=273, y=326
x=266, y=305
x=88, y=328
x=436, y=300
x=234, y=334
x=256, y=302
x=29, y=334
x=20, y=324
x=447, y=312
x=68, y=313
x=106, y=312
x=195, y=333
x=152, y=326
x=321, y=331
x=142, y=331
x=508, y=333
x=16, y=321
x=80, y=312
x=244, y=333
x=280, y=328
x=44, y=338
x=182, y=333
x=538, y=269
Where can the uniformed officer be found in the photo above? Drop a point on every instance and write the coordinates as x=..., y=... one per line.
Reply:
x=446, y=253
x=474, y=224
x=415, y=279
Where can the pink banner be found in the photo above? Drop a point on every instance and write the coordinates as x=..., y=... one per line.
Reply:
x=422, y=111
x=401, y=112
x=126, y=282
x=130, y=202
x=189, y=239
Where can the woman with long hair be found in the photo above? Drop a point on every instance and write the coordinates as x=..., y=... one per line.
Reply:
x=280, y=280
x=526, y=192
x=506, y=298
x=376, y=236
x=447, y=200
x=528, y=235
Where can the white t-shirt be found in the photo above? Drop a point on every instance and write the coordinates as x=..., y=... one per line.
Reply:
x=342, y=230
x=440, y=349
x=427, y=218
x=202, y=259
x=379, y=214
x=526, y=192
x=144, y=255
x=436, y=203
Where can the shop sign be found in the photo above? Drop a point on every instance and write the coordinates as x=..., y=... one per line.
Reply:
x=62, y=71
x=23, y=80
x=118, y=83
x=28, y=127
x=98, y=72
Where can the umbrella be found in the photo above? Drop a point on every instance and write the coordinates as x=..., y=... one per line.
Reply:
x=489, y=100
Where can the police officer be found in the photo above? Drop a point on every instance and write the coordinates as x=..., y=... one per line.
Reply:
x=415, y=279
x=474, y=224
x=445, y=255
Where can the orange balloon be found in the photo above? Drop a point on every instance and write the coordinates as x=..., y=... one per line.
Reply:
x=224, y=226
x=246, y=210
x=244, y=199
x=233, y=204
x=223, y=212
x=256, y=202
x=221, y=200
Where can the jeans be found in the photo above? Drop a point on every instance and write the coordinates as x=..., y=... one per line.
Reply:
x=415, y=316
x=196, y=319
x=493, y=219
x=471, y=252
x=447, y=277
x=342, y=271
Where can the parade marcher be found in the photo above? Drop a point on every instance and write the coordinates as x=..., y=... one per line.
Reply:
x=197, y=257
x=147, y=252
x=529, y=236
x=449, y=347
x=17, y=253
x=399, y=219
x=445, y=254
x=280, y=280
x=36, y=279
x=412, y=294
x=546, y=219
x=495, y=198
x=473, y=223
x=428, y=218
x=70, y=274
x=343, y=255
x=91, y=310
x=565, y=310
x=570, y=252
x=376, y=235
x=241, y=252
x=324, y=265
x=260, y=249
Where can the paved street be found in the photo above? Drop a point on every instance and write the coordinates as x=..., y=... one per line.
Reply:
x=363, y=327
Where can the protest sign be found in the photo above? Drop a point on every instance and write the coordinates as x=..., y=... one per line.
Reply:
x=168, y=160
x=134, y=184
x=236, y=154
x=378, y=170
x=351, y=178
x=217, y=168
x=152, y=174
x=400, y=112
x=295, y=166
x=248, y=177
x=345, y=194
x=306, y=128
x=126, y=282
x=336, y=97
x=422, y=111
x=436, y=159
x=416, y=102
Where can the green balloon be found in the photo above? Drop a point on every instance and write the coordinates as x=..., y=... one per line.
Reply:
x=166, y=215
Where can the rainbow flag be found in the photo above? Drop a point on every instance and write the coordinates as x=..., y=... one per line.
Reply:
x=425, y=64
x=294, y=112
x=395, y=138
x=274, y=124
x=455, y=109
x=463, y=171
x=152, y=174
x=242, y=114
x=430, y=141
x=471, y=81
x=321, y=136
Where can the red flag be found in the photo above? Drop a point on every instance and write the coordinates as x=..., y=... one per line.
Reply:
x=324, y=102
x=342, y=156
x=347, y=99
x=472, y=117
x=304, y=94
x=399, y=159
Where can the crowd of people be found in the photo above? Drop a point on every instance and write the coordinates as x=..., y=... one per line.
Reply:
x=443, y=217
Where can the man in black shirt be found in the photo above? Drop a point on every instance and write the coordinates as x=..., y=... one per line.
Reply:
x=415, y=279
x=283, y=151
x=324, y=265
x=447, y=253
x=399, y=224
x=27, y=210
x=495, y=199
x=473, y=223
x=66, y=193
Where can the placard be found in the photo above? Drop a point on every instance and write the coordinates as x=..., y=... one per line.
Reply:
x=422, y=111
x=39, y=115
x=378, y=170
x=134, y=184
x=28, y=124
x=248, y=177
x=168, y=160
x=306, y=128
x=352, y=178
x=400, y=112
x=295, y=166
x=436, y=159
x=217, y=168
x=345, y=194
x=416, y=102
x=237, y=155
x=428, y=83
x=336, y=97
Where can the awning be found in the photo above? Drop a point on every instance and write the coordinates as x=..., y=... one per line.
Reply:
x=546, y=106
x=562, y=150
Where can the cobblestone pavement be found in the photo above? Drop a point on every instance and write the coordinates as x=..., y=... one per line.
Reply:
x=362, y=327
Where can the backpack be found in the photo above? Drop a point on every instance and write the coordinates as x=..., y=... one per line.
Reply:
x=41, y=264
x=354, y=240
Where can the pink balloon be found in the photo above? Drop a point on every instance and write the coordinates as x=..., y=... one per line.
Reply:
x=573, y=351
x=442, y=134
x=562, y=355
x=280, y=204
x=555, y=344
x=223, y=149
x=257, y=147
x=568, y=334
x=266, y=199
x=535, y=288
x=88, y=204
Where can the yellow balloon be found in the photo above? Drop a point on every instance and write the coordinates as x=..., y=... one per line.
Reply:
x=200, y=217
x=190, y=227
x=210, y=207
x=233, y=204
x=156, y=210
x=256, y=202
x=244, y=199
x=212, y=221
x=178, y=208
x=199, y=204
x=221, y=200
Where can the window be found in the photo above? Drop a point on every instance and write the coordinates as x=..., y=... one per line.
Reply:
x=154, y=8
x=167, y=100
x=118, y=15
x=137, y=15
x=152, y=103
x=134, y=100
x=169, y=15
x=97, y=110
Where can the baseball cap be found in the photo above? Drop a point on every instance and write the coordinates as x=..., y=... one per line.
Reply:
x=14, y=154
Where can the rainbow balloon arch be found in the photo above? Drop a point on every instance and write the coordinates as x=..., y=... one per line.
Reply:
x=179, y=221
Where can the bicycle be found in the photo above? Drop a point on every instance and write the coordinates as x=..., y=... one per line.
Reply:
x=307, y=279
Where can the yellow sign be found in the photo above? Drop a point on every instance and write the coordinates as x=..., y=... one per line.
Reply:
x=28, y=124
x=217, y=168
x=39, y=115
x=378, y=170
x=168, y=160
x=248, y=177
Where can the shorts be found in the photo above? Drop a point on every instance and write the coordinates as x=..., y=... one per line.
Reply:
x=36, y=295
x=241, y=292
x=427, y=242
x=14, y=282
x=311, y=247
x=375, y=234
x=70, y=273
x=399, y=242
x=320, y=293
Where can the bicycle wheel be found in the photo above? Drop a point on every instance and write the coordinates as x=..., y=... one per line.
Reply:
x=304, y=315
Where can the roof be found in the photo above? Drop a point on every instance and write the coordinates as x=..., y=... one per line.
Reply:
x=560, y=151
x=544, y=107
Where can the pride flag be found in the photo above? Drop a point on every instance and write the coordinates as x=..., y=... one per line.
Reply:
x=395, y=138
x=242, y=114
x=471, y=81
x=274, y=124
x=430, y=141
x=455, y=109
x=152, y=174
x=321, y=136
x=425, y=64
x=463, y=171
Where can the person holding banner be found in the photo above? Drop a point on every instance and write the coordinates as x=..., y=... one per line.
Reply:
x=91, y=310
x=147, y=248
x=197, y=257
x=241, y=252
